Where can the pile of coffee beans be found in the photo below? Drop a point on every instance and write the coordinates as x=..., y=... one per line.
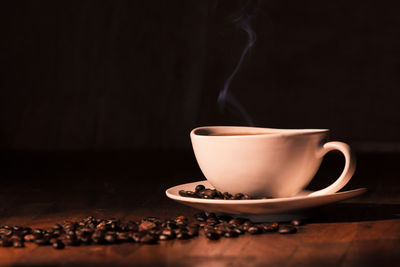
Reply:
x=149, y=230
x=201, y=191
x=216, y=227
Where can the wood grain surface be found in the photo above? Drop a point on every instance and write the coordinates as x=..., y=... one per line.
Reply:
x=40, y=189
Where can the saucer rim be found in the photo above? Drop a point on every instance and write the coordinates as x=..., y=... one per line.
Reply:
x=359, y=191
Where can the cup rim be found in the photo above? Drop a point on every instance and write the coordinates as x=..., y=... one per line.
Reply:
x=269, y=132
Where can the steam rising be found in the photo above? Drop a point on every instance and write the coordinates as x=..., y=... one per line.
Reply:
x=225, y=96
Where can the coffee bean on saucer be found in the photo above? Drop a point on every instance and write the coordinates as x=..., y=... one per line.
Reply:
x=199, y=188
x=287, y=229
x=238, y=196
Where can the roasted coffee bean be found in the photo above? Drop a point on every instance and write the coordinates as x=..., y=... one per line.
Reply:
x=123, y=236
x=201, y=217
x=287, y=229
x=182, y=235
x=270, y=227
x=163, y=237
x=98, y=237
x=57, y=226
x=212, y=221
x=237, y=221
x=42, y=241
x=6, y=232
x=18, y=244
x=168, y=233
x=296, y=222
x=102, y=226
x=131, y=226
x=238, y=196
x=220, y=229
x=212, y=235
x=37, y=231
x=238, y=231
x=182, y=193
x=29, y=238
x=227, y=196
x=146, y=225
x=169, y=224
x=231, y=233
x=192, y=194
x=110, y=237
x=254, y=230
x=5, y=242
x=199, y=188
x=181, y=221
x=58, y=245
x=148, y=239
x=70, y=240
x=208, y=193
x=225, y=218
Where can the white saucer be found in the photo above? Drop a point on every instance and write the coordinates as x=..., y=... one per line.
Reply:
x=259, y=209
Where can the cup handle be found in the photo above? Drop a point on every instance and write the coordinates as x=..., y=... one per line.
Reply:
x=348, y=171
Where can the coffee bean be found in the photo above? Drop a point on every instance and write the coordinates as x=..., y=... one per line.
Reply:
x=238, y=196
x=42, y=241
x=192, y=194
x=146, y=225
x=201, y=217
x=148, y=239
x=254, y=230
x=5, y=242
x=287, y=229
x=110, y=237
x=98, y=237
x=237, y=221
x=212, y=221
x=270, y=227
x=169, y=224
x=163, y=237
x=137, y=236
x=58, y=245
x=122, y=236
x=296, y=222
x=231, y=233
x=29, y=238
x=199, y=188
x=169, y=233
x=182, y=235
x=6, y=232
x=18, y=244
x=225, y=218
x=212, y=235
x=57, y=226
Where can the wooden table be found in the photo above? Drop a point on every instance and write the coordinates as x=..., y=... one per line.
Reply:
x=39, y=189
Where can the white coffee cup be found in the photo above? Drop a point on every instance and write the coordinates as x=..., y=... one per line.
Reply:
x=264, y=161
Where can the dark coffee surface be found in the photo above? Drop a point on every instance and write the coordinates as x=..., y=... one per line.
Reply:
x=236, y=134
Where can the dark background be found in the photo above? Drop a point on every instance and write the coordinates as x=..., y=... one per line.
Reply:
x=117, y=75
